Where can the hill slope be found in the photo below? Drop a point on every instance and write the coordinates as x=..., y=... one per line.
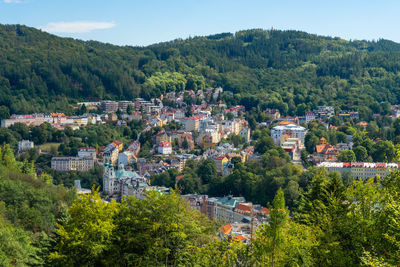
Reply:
x=290, y=70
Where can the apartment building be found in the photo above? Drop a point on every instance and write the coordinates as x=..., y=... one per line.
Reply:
x=72, y=163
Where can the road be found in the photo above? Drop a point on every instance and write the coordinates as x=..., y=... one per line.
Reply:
x=144, y=130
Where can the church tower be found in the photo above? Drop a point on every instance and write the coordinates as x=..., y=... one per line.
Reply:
x=108, y=178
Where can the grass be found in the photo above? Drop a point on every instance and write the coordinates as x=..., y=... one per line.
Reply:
x=47, y=146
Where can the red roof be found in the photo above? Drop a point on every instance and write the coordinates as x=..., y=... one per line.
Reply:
x=244, y=207
x=160, y=133
x=265, y=211
x=116, y=142
x=226, y=229
x=220, y=157
x=165, y=144
x=186, y=135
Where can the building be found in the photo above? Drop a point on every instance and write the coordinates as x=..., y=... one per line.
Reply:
x=123, y=105
x=293, y=147
x=310, y=116
x=72, y=163
x=292, y=130
x=325, y=152
x=191, y=124
x=360, y=170
x=163, y=136
x=109, y=106
x=165, y=148
x=25, y=145
x=134, y=147
x=220, y=162
x=119, y=145
x=87, y=152
x=273, y=113
x=348, y=114
x=325, y=112
x=126, y=158
x=117, y=183
x=245, y=133
x=110, y=154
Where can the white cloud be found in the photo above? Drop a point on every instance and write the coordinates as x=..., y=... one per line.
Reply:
x=76, y=26
x=12, y=1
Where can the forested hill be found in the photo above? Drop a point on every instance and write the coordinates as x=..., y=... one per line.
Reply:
x=290, y=70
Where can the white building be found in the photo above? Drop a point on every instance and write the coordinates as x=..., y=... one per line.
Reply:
x=87, y=152
x=361, y=170
x=310, y=116
x=165, y=148
x=71, y=164
x=292, y=130
x=25, y=145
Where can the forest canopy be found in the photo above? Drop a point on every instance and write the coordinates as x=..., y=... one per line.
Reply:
x=289, y=70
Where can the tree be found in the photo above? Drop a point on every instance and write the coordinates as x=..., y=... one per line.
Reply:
x=16, y=247
x=85, y=235
x=207, y=170
x=159, y=230
x=4, y=112
x=271, y=233
x=346, y=156
x=129, y=109
x=310, y=142
x=263, y=144
x=229, y=116
x=361, y=153
x=383, y=151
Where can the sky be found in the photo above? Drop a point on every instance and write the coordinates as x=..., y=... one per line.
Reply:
x=144, y=22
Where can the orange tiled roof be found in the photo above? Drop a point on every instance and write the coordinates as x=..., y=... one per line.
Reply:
x=240, y=237
x=243, y=207
x=326, y=149
x=226, y=229
x=265, y=211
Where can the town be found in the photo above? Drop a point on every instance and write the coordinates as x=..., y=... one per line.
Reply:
x=191, y=126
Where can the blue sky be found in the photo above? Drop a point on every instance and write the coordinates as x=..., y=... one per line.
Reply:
x=143, y=22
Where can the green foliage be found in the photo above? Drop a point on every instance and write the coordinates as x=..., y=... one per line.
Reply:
x=289, y=70
x=86, y=233
x=160, y=229
x=346, y=156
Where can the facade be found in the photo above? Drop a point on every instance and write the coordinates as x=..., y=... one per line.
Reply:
x=110, y=154
x=310, y=116
x=325, y=112
x=191, y=124
x=72, y=163
x=109, y=106
x=87, y=152
x=361, y=170
x=220, y=162
x=292, y=130
x=126, y=158
x=123, y=105
x=348, y=114
x=293, y=147
x=245, y=133
x=165, y=148
x=134, y=147
x=25, y=145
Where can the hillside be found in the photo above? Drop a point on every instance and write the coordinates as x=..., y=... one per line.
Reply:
x=290, y=70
